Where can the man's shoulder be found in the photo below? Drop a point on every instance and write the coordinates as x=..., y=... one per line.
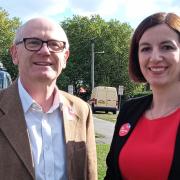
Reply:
x=72, y=98
x=9, y=98
x=79, y=105
x=9, y=91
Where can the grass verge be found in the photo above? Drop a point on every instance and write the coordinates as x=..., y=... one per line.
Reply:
x=102, y=150
x=108, y=117
x=97, y=135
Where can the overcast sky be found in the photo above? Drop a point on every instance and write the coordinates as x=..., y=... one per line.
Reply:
x=130, y=11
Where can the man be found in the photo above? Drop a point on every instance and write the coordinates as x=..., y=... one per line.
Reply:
x=45, y=133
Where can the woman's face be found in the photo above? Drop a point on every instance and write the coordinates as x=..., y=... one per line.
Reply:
x=159, y=56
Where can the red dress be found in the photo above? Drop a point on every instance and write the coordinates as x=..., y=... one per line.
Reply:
x=148, y=153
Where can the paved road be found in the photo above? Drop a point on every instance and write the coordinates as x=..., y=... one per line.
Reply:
x=104, y=130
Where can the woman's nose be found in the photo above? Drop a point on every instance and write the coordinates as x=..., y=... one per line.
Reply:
x=156, y=55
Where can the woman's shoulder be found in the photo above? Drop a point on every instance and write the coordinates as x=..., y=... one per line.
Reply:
x=137, y=100
x=132, y=104
x=133, y=108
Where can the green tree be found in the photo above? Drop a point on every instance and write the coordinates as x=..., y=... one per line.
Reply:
x=7, y=32
x=112, y=37
x=111, y=68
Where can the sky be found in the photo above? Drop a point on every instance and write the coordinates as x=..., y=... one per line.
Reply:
x=126, y=11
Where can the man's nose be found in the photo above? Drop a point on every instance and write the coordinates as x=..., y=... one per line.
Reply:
x=44, y=49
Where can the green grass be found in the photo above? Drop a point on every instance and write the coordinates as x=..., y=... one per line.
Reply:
x=102, y=151
x=108, y=117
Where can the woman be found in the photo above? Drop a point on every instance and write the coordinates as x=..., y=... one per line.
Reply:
x=146, y=141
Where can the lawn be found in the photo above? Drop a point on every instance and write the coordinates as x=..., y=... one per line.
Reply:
x=102, y=150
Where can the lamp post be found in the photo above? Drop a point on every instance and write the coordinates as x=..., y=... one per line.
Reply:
x=92, y=65
x=92, y=62
x=120, y=93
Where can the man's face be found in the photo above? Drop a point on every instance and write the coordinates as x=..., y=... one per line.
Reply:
x=42, y=65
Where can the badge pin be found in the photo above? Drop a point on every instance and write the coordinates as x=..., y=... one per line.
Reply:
x=71, y=112
x=124, y=129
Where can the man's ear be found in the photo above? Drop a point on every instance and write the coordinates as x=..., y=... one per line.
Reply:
x=66, y=56
x=13, y=52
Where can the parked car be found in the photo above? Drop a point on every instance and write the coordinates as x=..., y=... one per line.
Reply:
x=104, y=98
x=5, y=78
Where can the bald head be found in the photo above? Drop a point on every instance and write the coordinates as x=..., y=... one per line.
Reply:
x=34, y=26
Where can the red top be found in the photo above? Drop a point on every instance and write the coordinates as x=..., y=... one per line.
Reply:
x=148, y=153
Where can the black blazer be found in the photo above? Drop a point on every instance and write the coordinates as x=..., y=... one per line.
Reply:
x=130, y=112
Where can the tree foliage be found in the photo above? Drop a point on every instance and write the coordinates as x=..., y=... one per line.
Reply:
x=112, y=37
x=111, y=68
x=7, y=32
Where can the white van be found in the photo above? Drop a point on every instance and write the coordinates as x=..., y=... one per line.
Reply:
x=104, y=98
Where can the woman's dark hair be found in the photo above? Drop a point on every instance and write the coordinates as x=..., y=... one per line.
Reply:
x=171, y=19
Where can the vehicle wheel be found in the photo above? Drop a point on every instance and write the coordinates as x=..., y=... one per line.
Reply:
x=114, y=112
x=93, y=109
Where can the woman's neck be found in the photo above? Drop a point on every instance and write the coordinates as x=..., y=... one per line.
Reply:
x=165, y=101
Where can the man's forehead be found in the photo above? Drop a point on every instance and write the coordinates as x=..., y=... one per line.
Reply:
x=35, y=26
x=43, y=24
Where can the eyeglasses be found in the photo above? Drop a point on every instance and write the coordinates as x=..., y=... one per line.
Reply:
x=35, y=44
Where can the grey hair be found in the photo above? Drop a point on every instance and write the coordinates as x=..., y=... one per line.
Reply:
x=19, y=34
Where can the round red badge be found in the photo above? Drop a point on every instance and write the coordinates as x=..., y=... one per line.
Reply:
x=124, y=129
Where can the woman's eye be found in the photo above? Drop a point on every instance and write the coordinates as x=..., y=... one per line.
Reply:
x=167, y=47
x=145, y=49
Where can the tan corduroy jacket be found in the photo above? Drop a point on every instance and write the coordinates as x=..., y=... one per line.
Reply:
x=15, y=153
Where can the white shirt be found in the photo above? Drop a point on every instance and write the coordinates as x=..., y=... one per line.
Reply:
x=46, y=137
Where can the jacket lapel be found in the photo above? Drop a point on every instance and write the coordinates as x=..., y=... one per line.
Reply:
x=70, y=121
x=70, y=118
x=13, y=125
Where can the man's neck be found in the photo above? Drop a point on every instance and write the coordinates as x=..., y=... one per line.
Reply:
x=42, y=93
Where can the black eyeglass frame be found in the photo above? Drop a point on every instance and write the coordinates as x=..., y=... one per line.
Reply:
x=42, y=42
